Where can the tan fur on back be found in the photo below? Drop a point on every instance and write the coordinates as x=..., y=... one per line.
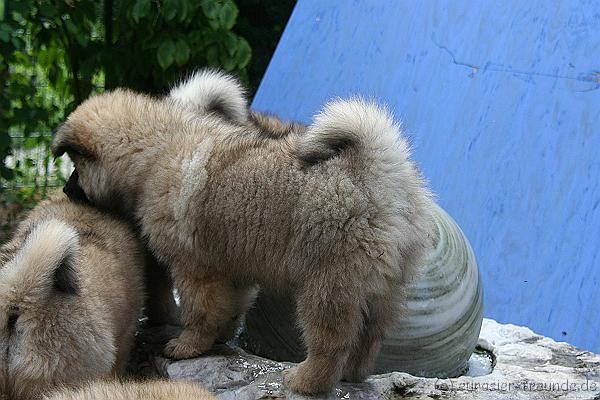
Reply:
x=334, y=212
x=152, y=390
x=67, y=338
x=275, y=128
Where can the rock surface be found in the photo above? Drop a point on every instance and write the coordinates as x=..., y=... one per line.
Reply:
x=525, y=366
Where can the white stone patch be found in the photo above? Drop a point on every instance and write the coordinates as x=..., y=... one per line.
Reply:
x=499, y=334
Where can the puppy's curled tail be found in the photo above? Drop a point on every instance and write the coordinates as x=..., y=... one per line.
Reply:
x=46, y=260
x=354, y=127
x=367, y=142
x=211, y=91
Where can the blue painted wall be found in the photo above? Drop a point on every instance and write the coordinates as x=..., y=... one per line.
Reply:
x=501, y=100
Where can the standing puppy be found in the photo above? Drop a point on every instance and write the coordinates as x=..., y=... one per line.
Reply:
x=336, y=213
x=70, y=296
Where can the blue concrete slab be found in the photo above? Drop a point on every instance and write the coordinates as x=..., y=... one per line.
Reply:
x=501, y=100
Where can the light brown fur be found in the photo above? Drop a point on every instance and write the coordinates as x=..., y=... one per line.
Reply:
x=70, y=295
x=274, y=128
x=335, y=213
x=152, y=390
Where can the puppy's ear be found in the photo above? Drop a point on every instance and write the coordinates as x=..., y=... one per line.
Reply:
x=65, y=278
x=210, y=91
x=60, y=141
x=67, y=140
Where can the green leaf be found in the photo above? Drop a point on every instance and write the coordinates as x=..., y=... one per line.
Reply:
x=166, y=54
x=71, y=27
x=243, y=53
x=182, y=54
x=227, y=62
x=141, y=8
x=17, y=42
x=230, y=41
x=214, y=24
x=228, y=15
x=170, y=9
x=210, y=8
x=5, y=31
x=199, y=39
x=184, y=10
x=212, y=55
x=81, y=39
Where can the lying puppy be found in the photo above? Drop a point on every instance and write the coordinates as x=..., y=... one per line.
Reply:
x=152, y=390
x=335, y=213
x=70, y=295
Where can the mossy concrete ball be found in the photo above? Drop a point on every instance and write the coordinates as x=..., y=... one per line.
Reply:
x=439, y=329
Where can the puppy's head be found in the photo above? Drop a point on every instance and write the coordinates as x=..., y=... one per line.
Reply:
x=100, y=137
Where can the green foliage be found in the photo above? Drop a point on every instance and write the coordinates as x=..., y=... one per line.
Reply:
x=157, y=40
x=55, y=54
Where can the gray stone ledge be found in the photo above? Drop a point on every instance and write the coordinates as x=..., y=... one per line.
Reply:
x=527, y=366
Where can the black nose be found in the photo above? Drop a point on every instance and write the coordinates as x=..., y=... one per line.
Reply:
x=73, y=190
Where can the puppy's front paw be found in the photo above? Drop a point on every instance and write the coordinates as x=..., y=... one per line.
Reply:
x=289, y=378
x=354, y=376
x=356, y=371
x=187, y=345
x=302, y=380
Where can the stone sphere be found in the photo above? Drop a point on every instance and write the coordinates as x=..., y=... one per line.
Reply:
x=438, y=331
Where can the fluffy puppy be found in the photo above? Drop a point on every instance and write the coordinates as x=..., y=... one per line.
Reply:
x=152, y=390
x=335, y=213
x=70, y=295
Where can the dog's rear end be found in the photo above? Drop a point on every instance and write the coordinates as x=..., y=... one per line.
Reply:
x=363, y=208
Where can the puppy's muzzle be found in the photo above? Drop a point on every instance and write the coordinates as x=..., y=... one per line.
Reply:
x=73, y=190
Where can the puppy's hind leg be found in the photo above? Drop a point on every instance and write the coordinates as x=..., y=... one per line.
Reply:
x=331, y=319
x=161, y=308
x=245, y=296
x=381, y=312
x=207, y=305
